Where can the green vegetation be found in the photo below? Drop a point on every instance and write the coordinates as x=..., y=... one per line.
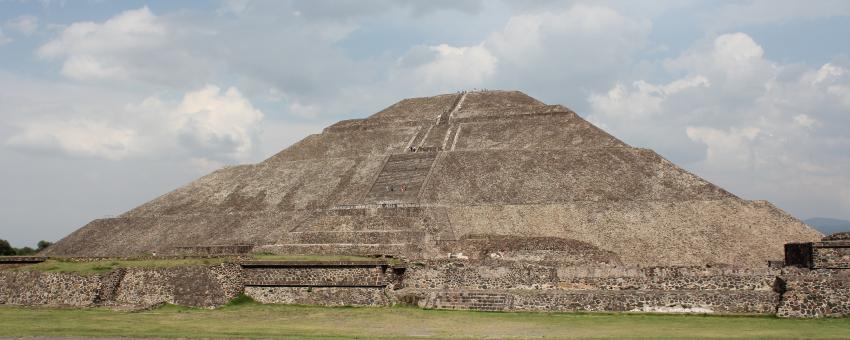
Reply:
x=250, y=320
x=7, y=250
x=59, y=265
x=97, y=267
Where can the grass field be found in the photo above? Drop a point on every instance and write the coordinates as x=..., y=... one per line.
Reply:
x=58, y=265
x=103, y=266
x=250, y=320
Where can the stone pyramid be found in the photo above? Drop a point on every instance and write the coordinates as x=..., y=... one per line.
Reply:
x=434, y=177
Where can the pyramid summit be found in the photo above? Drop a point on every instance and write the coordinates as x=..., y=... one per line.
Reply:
x=465, y=174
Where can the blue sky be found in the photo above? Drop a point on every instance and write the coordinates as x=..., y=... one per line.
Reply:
x=105, y=105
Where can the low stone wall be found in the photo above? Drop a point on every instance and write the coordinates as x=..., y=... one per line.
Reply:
x=815, y=293
x=509, y=285
x=470, y=275
x=196, y=286
x=831, y=255
x=52, y=289
x=315, y=276
x=323, y=296
x=449, y=284
x=725, y=302
x=513, y=275
x=675, y=279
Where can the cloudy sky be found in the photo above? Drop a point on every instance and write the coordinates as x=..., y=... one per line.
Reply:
x=105, y=105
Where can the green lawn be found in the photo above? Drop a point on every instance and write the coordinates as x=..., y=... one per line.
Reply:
x=103, y=266
x=250, y=320
x=59, y=265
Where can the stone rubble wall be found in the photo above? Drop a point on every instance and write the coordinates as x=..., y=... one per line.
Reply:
x=313, y=276
x=196, y=286
x=516, y=286
x=726, y=302
x=32, y=288
x=832, y=255
x=815, y=293
x=513, y=275
x=324, y=296
x=452, y=284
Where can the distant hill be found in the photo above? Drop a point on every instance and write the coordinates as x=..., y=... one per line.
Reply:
x=828, y=225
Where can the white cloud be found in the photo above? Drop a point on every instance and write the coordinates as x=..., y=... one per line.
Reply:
x=217, y=122
x=24, y=24
x=93, y=50
x=764, y=128
x=445, y=67
x=642, y=99
x=805, y=121
x=78, y=137
x=593, y=36
x=206, y=123
x=539, y=50
x=728, y=148
x=134, y=46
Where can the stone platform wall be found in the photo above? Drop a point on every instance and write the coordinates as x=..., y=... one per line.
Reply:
x=327, y=283
x=315, y=276
x=506, y=285
x=815, y=293
x=324, y=296
x=50, y=289
x=197, y=286
x=831, y=255
x=727, y=302
x=451, y=284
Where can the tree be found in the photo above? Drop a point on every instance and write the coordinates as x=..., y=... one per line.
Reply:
x=6, y=249
x=43, y=244
x=25, y=251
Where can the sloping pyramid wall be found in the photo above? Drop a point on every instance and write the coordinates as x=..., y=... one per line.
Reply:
x=422, y=176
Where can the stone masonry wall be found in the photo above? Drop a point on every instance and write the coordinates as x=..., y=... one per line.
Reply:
x=727, y=302
x=815, y=293
x=507, y=285
x=52, y=289
x=510, y=275
x=314, y=276
x=197, y=286
x=324, y=296
x=833, y=255
x=452, y=284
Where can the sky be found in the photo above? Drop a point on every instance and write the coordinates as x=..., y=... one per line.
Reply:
x=105, y=105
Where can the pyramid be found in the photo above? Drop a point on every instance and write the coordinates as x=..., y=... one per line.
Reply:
x=436, y=176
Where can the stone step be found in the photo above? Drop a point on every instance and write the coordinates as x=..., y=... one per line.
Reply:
x=355, y=237
x=361, y=223
x=436, y=138
x=401, y=177
x=339, y=249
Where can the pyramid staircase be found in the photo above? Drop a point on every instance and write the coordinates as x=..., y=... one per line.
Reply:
x=401, y=178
